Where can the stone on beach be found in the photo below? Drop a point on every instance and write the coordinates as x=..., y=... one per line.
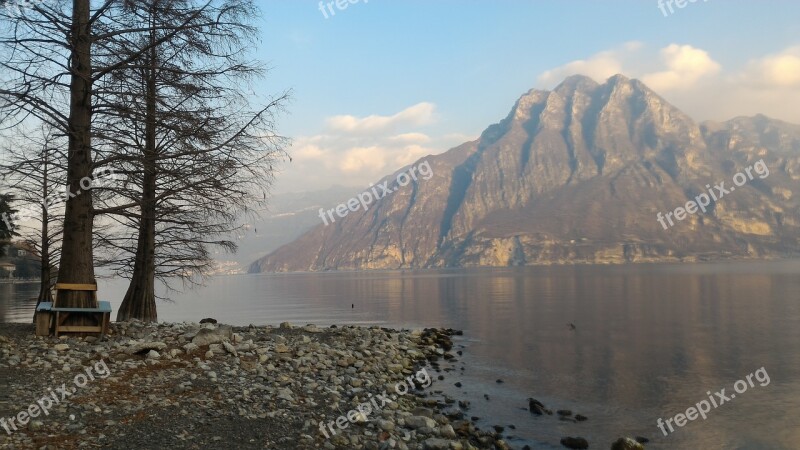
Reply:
x=208, y=336
x=260, y=387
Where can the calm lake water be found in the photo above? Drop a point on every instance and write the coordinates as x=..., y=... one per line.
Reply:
x=649, y=340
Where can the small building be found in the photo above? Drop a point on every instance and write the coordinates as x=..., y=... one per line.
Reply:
x=9, y=268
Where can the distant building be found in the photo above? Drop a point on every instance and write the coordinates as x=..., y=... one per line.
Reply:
x=7, y=270
x=20, y=261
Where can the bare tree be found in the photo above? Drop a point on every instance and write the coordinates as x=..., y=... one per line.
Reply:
x=46, y=57
x=197, y=152
x=33, y=173
x=52, y=55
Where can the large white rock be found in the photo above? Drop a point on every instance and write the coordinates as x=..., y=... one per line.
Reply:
x=212, y=336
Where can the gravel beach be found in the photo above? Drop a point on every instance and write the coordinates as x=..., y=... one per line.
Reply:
x=193, y=386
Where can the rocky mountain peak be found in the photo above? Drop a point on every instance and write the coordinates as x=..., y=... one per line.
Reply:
x=576, y=174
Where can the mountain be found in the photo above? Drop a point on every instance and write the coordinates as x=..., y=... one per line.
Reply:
x=289, y=215
x=577, y=175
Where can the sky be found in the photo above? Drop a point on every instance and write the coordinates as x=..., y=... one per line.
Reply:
x=382, y=83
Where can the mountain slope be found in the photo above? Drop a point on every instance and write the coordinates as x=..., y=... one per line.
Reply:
x=576, y=175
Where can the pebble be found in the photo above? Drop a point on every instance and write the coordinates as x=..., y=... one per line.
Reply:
x=189, y=378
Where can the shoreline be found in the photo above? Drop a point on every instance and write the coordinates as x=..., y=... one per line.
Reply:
x=186, y=385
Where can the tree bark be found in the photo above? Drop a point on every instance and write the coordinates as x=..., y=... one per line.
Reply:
x=77, y=261
x=140, y=301
x=45, y=294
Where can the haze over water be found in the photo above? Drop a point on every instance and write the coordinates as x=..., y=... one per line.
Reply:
x=649, y=340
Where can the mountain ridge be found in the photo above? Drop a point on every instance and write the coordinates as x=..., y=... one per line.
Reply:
x=575, y=175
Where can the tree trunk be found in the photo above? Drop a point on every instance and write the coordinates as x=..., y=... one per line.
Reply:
x=45, y=294
x=140, y=300
x=77, y=262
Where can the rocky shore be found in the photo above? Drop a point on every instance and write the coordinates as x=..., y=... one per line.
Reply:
x=193, y=386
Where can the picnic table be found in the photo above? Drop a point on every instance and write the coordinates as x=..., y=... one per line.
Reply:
x=51, y=317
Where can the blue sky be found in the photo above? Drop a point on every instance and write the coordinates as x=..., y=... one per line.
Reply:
x=384, y=82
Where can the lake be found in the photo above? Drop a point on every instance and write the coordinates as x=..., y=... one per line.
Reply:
x=649, y=341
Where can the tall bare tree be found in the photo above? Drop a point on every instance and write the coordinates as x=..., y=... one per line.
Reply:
x=196, y=147
x=34, y=173
x=52, y=55
x=46, y=62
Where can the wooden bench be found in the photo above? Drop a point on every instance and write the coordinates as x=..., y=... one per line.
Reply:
x=50, y=316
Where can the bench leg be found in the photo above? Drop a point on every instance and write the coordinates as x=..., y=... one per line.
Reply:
x=43, y=323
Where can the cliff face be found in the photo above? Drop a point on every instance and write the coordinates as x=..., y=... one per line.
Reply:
x=576, y=175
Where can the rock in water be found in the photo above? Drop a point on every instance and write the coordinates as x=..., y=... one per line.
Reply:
x=626, y=444
x=537, y=407
x=575, y=442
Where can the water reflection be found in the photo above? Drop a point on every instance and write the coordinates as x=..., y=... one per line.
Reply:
x=17, y=301
x=648, y=342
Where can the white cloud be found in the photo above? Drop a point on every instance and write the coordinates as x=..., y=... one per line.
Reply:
x=777, y=71
x=363, y=158
x=417, y=115
x=359, y=151
x=411, y=138
x=307, y=151
x=410, y=154
x=685, y=64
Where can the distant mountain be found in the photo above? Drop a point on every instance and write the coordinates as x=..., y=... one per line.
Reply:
x=577, y=175
x=289, y=216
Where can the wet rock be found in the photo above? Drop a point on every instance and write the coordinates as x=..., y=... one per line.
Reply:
x=575, y=442
x=625, y=443
x=501, y=445
x=536, y=407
